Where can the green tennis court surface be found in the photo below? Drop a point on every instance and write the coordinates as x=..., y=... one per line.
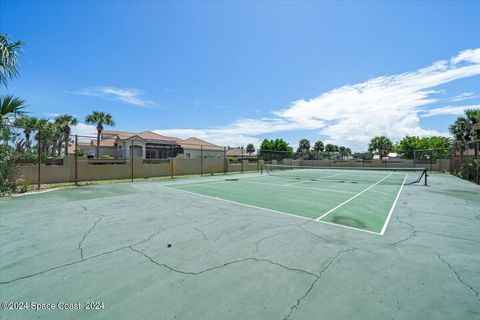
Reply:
x=360, y=199
x=151, y=250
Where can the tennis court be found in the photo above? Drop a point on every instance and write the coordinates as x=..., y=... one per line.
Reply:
x=159, y=250
x=357, y=198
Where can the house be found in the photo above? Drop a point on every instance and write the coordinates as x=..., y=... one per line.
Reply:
x=148, y=145
x=196, y=148
x=239, y=152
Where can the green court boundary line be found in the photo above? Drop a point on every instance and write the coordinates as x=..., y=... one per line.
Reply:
x=269, y=210
x=350, y=199
x=384, y=228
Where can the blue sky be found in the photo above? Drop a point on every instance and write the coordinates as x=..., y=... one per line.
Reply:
x=234, y=72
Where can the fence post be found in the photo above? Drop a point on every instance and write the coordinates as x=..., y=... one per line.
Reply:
x=76, y=160
x=414, y=158
x=225, y=160
x=241, y=159
x=131, y=158
x=171, y=161
x=477, y=149
x=201, y=160
x=39, y=152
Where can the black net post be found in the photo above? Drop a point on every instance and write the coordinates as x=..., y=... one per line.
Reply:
x=76, y=159
x=241, y=159
x=201, y=160
x=131, y=158
x=39, y=155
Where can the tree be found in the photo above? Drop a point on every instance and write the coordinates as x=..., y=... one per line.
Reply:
x=331, y=148
x=250, y=149
x=9, y=52
x=348, y=151
x=435, y=147
x=100, y=119
x=382, y=145
x=28, y=124
x=467, y=128
x=275, y=149
x=65, y=121
x=318, y=146
x=11, y=108
x=303, y=146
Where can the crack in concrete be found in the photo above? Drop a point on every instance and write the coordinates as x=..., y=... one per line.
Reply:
x=257, y=243
x=304, y=296
x=226, y=264
x=203, y=233
x=84, y=259
x=85, y=236
x=476, y=292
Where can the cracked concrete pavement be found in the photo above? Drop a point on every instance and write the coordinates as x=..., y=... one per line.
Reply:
x=108, y=243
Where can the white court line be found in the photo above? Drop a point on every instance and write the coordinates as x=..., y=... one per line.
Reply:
x=269, y=210
x=320, y=178
x=348, y=200
x=296, y=187
x=180, y=185
x=393, y=206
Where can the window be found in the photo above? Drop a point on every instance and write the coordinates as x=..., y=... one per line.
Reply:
x=150, y=154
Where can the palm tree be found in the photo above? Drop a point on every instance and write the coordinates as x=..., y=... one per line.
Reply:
x=467, y=128
x=27, y=123
x=9, y=51
x=65, y=121
x=381, y=144
x=10, y=109
x=100, y=119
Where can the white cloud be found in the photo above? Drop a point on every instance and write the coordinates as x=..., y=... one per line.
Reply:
x=448, y=110
x=352, y=114
x=130, y=96
x=463, y=96
x=84, y=131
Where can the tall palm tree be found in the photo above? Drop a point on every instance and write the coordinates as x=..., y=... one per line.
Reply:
x=65, y=121
x=9, y=51
x=100, y=119
x=27, y=124
x=381, y=144
x=467, y=128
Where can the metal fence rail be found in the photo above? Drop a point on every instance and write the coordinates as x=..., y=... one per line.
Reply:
x=42, y=157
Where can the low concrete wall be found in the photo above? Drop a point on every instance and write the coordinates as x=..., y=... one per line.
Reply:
x=88, y=171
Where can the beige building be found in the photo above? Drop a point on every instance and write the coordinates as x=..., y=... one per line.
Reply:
x=149, y=145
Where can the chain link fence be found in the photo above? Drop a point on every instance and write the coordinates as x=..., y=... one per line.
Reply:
x=466, y=161
x=32, y=157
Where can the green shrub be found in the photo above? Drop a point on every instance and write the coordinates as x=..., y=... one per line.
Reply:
x=8, y=170
x=106, y=157
x=25, y=186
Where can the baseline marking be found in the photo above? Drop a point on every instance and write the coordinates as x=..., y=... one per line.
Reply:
x=270, y=210
x=393, y=206
x=348, y=200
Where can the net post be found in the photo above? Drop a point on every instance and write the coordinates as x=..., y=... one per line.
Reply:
x=201, y=160
x=76, y=160
x=426, y=175
x=39, y=155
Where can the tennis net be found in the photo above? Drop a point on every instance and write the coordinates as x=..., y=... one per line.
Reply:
x=349, y=174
